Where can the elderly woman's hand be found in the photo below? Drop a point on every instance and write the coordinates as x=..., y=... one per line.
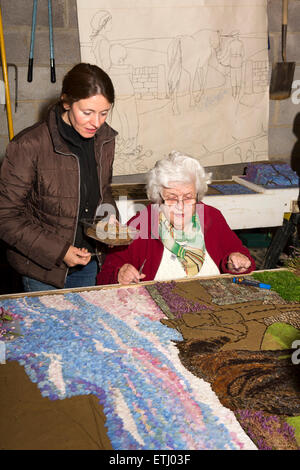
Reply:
x=238, y=263
x=128, y=274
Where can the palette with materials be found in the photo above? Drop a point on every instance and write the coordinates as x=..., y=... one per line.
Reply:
x=114, y=234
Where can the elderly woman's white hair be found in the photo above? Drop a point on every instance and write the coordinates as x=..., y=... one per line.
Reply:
x=176, y=167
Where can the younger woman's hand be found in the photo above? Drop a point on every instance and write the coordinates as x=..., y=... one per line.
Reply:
x=76, y=256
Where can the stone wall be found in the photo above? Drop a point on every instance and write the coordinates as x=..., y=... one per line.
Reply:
x=35, y=96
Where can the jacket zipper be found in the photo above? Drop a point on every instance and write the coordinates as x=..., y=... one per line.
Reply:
x=78, y=205
x=100, y=184
x=100, y=171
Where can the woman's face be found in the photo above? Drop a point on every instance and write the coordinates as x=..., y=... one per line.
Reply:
x=87, y=115
x=179, y=204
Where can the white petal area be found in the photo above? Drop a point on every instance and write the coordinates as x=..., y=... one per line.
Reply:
x=126, y=416
x=57, y=302
x=55, y=372
x=100, y=348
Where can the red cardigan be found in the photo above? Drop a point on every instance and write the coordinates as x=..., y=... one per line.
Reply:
x=220, y=242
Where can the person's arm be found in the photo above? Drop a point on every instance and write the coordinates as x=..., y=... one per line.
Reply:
x=238, y=263
x=114, y=261
x=125, y=257
x=144, y=252
x=224, y=246
x=22, y=224
x=128, y=274
x=236, y=257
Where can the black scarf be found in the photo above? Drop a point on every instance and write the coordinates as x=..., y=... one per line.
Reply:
x=83, y=148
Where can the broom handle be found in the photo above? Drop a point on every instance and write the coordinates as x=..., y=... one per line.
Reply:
x=284, y=28
x=5, y=76
x=32, y=39
x=52, y=60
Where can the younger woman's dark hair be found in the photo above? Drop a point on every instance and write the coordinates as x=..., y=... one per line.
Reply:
x=86, y=80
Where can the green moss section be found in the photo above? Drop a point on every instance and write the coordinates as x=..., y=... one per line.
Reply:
x=280, y=336
x=295, y=422
x=286, y=283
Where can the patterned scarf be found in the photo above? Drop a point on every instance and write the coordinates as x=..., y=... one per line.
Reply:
x=188, y=247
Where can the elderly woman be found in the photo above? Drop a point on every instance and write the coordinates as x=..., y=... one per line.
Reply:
x=179, y=236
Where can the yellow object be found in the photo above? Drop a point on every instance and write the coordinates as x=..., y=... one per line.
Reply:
x=287, y=215
x=5, y=76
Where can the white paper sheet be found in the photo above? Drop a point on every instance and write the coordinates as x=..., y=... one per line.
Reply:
x=189, y=76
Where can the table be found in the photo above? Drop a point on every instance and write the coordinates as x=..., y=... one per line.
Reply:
x=122, y=357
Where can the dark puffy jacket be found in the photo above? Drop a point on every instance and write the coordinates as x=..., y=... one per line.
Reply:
x=39, y=197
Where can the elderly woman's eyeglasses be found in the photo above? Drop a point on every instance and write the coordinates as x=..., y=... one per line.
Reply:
x=173, y=201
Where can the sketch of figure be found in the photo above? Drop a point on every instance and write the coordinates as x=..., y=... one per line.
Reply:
x=101, y=24
x=125, y=105
x=233, y=57
x=184, y=56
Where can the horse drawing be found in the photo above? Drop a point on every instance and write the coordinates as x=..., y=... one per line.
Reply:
x=188, y=59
